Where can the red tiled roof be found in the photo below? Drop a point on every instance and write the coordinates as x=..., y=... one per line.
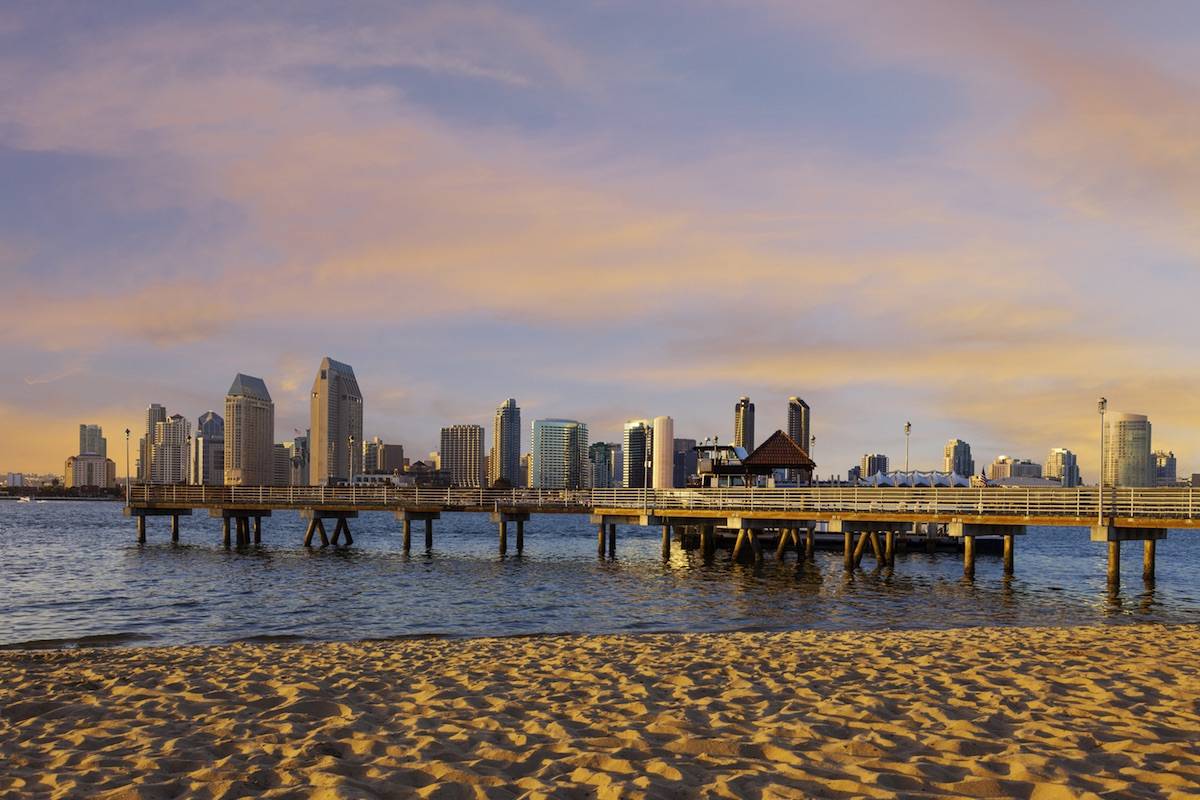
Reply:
x=779, y=450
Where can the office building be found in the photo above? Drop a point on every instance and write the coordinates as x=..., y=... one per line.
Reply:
x=281, y=465
x=336, y=424
x=14, y=479
x=686, y=461
x=391, y=459
x=854, y=474
x=154, y=415
x=743, y=424
x=1165, y=468
x=1063, y=466
x=461, y=455
x=169, y=450
x=527, y=470
x=90, y=470
x=91, y=441
x=370, y=455
x=1005, y=467
x=1127, y=459
x=662, y=458
x=637, y=445
x=505, y=462
x=297, y=453
x=873, y=463
x=799, y=423
x=249, y=433
x=958, y=459
x=208, y=451
x=605, y=460
x=560, y=454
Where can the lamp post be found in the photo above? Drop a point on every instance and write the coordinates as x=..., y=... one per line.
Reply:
x=127, y=483
x=350, y=453
x=1101, y=406
x=907, y=434
x=187, y=460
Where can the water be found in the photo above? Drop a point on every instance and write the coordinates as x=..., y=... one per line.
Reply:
x=71, y=573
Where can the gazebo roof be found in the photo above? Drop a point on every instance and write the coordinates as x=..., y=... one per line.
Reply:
x=779, y=451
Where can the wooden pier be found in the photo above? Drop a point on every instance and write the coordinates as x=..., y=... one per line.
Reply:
x=866, y=518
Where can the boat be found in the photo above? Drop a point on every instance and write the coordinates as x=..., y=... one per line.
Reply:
x=24, y=499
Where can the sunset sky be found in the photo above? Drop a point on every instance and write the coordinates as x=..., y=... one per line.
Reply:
x=977, y=216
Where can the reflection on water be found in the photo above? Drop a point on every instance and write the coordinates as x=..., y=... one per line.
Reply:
x=72, y=570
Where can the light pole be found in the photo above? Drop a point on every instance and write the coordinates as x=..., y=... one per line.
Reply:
x=350, y=452
x=907, y=434
x=1101, y=406
x=127, y=483
x=187, y=461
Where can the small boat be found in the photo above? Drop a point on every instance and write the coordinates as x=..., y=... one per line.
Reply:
x=24, y=499
x=43, y=501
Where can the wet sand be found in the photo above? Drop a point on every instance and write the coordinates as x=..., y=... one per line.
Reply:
x=1037, y=713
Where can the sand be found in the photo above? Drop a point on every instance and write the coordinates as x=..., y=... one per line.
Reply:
x=1039, y=713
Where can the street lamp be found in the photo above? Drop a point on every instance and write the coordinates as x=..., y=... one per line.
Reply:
x=1101, y=406
x=127, y=483
x=350, y=453
x=907, y=434
x=187, y=460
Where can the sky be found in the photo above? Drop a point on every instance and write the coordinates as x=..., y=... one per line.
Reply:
x=976, y=216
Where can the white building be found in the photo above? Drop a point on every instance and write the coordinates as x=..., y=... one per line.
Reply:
x=505, y=463
x=560, y=455
x=249, y=433
x=169, y=451
x=1005, y=467
x=1062, y=465
x=1127, y=457
x=662, y=457
x=336, y=424
x=461, y=455
x=90, y=469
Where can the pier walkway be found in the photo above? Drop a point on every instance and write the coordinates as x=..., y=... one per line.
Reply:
x=861, y=515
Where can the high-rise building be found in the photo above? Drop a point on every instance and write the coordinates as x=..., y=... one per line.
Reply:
x=1165, y=469
x=90, y=470
x=249, y=433
x=169, y=450
x=505, y=458
x=371, y=455
x=604, y=458
x=958, y=458
x=281, y=465
x=336, y=409
x=743, y=424
x=560, y=454
x=297, y=452
x=154, y=415
x=92, y=441
x=526, y=470
x=1063, y=466
x=208, y=451
x=663, y=456
x=799, y=423
x=461, y=455
x=1005, y=467
x=391, y=459
x=637, y=446
x=1126, y=459
x=687, y=461
x=873, y=463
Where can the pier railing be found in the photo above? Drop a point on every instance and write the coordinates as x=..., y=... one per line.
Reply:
x=1081, y=503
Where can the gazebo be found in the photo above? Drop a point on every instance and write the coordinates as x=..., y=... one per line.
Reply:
x=780, y=451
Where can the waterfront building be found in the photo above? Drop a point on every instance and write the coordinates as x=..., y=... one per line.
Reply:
x=854, y=474
x=1005, y=467
x=560, y=454
x=208, y=451
x=527, y=470
x=1165, y=468
x=1127, y=459
x=637, y=445
x=461, y=455
x=743, y=424
x=336, y=420
x=90, y=470
x=873, y=463
x=435, y=459
x=391, y=458
x=686, y=461
x=297, y=453
x=605, y=463
x=799, y=426
x=1062, y=465
x=155, y=414
x=958, y=458
x=281, y=465
x=505, y=462
x=662, y=457
x=92, y=441
x=370, y=455
x=169, y=450
x=249, y=433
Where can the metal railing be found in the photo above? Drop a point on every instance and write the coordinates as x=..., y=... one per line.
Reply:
x=1168, y=503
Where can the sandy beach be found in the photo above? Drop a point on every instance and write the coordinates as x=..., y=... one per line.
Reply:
x=1037, y=713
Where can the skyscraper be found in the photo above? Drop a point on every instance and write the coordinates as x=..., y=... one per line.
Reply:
x=1165, y=470
x=873, y=463
x=1005, y=467
x=505, y=461
x=461, y=454
x=560, y=454
x=91, y=441
x=799, y=423
x=605, y=460
x=663, y=456
x=208, y=452
x=154, y=415
x=336, y=417
x=637, y=445
x=687, y=461
x=1127, y=460
x=371, y=452
x=169, y=450
x=1062, y=465
x=249, y=433
x=743, y=424
x=958, y=458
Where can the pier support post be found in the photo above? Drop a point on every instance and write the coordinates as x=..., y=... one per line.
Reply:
x=309, y=531
x=708, y=540
x=848, y=550
x=428, y=533
x=859, y=549
x=785, y=537
x=600, y=540
x=930, y=542
x=810, y=544
x=174, y=527
x=503, y=537
x=225, y=532
x=1009, y=545
x=876, y=550
x=666, y=541
x=737, y=545
x=141, y=530
x=1148, y=559
x=520, y=536
x=1114, y=564
x=612, y=540
x=258, y=530
x=755, y=545
x=969, y=557
x=406, y=526
x=889, y=548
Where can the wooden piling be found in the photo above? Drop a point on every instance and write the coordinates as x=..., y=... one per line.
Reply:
x=755, y=545
x=1114, y=565
x=258, y=530
x=930, y=544
x=612, y=540
x=666, y=541
x=859, y=549
x=848, y=550
x=737, y=546
x=876, y=550
x=1148, y=560
x=503, y=537
x=968, y=556
x=241, y=530
x=889, y=548
x=520, y=536
x=1009, y=546
x=321, y=531
x=810, y=544
x=785, y=537
x=141, y=530
x=225, y=532
x=407, y=528
x=309, y=531
x=174, y=527
x=708, y=541
x=600, y=541
x=428, y=534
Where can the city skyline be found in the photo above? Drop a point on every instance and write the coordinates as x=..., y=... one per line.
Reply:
x=983, y=258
